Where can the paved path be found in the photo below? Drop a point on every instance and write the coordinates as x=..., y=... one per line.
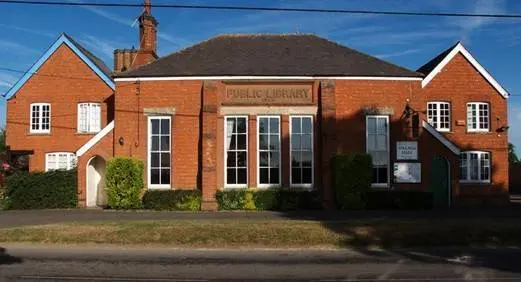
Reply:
x=41, y=217
x=55, y=263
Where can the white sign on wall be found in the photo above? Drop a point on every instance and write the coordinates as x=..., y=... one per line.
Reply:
x=407, y=173
x=407, y=150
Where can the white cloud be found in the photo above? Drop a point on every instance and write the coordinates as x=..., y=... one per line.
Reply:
x=7, y=80
x=30, y=30
x=399, y=53
x=14, y=47
x=108, y=15
x=105, y=47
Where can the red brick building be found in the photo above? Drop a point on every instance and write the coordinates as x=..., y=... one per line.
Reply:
x=264, y=111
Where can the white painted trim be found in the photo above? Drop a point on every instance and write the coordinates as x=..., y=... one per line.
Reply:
x=149, y=148
x=388, y=184
x=479, y=153
x=438, y=114
x=228, y=186
x=269, y=185
x=132, y=79
x=70, y=157
x=478, y=117
x=306, y=186
x=460, y=49
x=95, y=139
x=40, y=118
x=440, y=137
x=269, y=110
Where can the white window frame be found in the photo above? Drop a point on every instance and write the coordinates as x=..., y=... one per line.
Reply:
x=478, y=117
x=268, y=185
x=308, y=186
x=438, y=116
x=40, y=118
x=226, y=185
x=149, y=154
x=89, y=118
x=367, y=117
x=480, y=154
x=72, y=160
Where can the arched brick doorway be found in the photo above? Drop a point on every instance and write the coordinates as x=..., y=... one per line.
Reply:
x=96, y=195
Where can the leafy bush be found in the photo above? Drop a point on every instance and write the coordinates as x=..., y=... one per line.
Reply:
x=41, y=190
x=267, y=199
x=352, y=179
x=407, y=200
x=124, y=183
x=4, y=200
x=234, y=199
x=173, y=200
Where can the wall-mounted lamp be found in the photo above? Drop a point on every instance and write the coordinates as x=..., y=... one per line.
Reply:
x=121, y=141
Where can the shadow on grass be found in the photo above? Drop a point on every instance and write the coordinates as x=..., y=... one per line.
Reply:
x=5, y=258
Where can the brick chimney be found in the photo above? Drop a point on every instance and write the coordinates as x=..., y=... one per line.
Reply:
x=127, y=59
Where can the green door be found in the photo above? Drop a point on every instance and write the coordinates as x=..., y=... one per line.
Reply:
x=439, y=182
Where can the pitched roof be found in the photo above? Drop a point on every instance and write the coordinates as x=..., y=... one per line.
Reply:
x=430, y=65
x=269, y=55
x=92, y=61
x=434, y=66
x=97, y=61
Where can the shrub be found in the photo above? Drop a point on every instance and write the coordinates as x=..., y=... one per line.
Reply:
x=124, y=183
x=231, y=199
x=408, y=200
x=173, y=200
x=267, y=199
x=352, y=179
x=41, y=190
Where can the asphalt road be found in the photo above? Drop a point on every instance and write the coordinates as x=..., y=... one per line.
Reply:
x=52, y=263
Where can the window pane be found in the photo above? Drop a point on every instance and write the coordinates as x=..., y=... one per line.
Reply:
x=231, y=160
x=155, y=126
x=306, y=142
x=274, y=125
x=296, y=176
x=263, y=125
x=241, y=176
x=241, y=125
x=274, y=159
x=274, y=176
x=155, y=143
x=231, y=176
x=154, y=160
x=306, y=175
x=154, y=176
x=165, y=126
x=474, y=166
x=263, y=142
x=165, y=176
x=295, y=125
x=263, y=159
x=165, y=160
x=306, y=125
x=295, y=141
x=307, y=159
x=263, y=177
x=241, y=159
x=382, y=175
x=274, y=142
x=165, y=143
x=295, y=159
x=371, y=125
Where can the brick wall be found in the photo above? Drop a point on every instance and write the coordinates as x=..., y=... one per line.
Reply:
x=64, y=80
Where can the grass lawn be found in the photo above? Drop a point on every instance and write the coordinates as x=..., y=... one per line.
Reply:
x=277, y=233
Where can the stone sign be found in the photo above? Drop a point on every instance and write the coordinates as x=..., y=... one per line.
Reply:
x=268, y=94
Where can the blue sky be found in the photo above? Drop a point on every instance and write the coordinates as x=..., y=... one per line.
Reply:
x=27, y=31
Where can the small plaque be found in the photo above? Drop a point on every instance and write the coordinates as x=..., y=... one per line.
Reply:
x=407, y=173
x=407, y=150
x=460, y=122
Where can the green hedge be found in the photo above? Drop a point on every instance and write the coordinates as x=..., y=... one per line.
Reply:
x=173, y=200
x=124, y=183
x=403, y=200
x=352, y=174
x=41, y=190
x=267, y=199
